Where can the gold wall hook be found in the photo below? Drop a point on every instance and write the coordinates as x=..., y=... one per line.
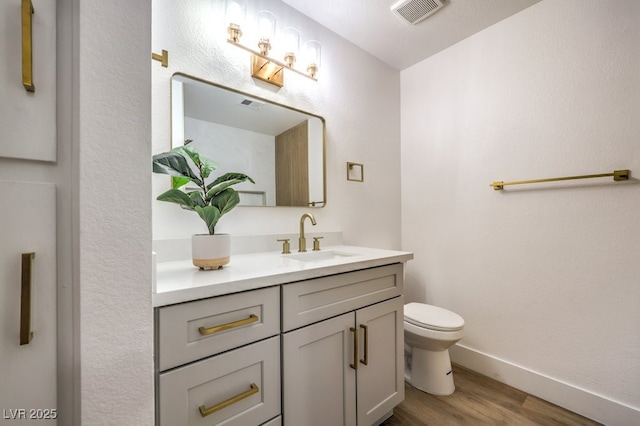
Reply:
x=27, y=46
x=163, y=58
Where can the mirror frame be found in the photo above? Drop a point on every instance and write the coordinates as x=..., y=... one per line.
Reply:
x=316, y=204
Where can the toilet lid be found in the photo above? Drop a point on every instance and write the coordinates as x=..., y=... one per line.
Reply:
x=432, y=317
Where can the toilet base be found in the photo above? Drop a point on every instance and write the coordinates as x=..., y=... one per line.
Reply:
x=431, y=371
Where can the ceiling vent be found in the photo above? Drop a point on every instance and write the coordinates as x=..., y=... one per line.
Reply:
x=251, y=103
x=414, y=11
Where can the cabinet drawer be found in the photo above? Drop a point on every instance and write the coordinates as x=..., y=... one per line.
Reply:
x=310, y=301
x=194, y=330
x=239, y=387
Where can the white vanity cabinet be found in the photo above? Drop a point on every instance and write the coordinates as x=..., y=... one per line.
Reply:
x=271, y=340
x=346, y=369
x=235, y=343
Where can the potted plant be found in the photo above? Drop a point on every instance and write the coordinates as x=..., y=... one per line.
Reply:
x=209, y=200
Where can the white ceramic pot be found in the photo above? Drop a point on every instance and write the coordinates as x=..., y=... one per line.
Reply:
x=210, y=251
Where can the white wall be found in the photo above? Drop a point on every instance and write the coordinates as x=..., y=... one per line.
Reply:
x=547, y=276
x=357, y=95
x=110, y=120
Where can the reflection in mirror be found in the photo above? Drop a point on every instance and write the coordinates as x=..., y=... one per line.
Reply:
x=281, y=148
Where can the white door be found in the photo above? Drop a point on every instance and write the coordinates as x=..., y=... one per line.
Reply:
x=318, y=382
x=380, y=380
x=28, y=342
x=28, y=117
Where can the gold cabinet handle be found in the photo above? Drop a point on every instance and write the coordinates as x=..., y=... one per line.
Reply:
x=27, y=47
x=355, y=349
x=365, y=361
x=204, y=411
x=204, y=331
x=25, y=299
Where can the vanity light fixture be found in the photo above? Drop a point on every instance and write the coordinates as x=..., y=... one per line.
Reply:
x=263, y=66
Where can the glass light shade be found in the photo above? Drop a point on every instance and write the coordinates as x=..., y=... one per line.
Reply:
x=236, y=12
x=291, y=40
x=266, y=24
x=312, y=50
x=312, y=57
x=291, y=44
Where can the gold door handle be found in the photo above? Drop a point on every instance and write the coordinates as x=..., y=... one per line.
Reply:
x=218, y=328
x=365, y=361
x=27, y=46
x=204, y=411
x=355, y=349
x=25, y=299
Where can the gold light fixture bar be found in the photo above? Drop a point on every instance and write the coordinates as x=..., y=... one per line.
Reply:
x=266, y=68
x=618, y=175
x=27, y=46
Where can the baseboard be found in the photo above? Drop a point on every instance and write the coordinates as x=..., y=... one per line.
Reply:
x=583, y=402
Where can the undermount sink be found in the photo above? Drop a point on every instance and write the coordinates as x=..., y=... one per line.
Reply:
x=319, y=256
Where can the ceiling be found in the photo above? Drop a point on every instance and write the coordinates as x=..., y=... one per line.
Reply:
x=371, y=25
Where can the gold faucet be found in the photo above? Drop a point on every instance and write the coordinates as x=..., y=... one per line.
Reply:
x=302, y=242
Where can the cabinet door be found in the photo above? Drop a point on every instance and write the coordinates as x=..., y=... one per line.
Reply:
x=380, y=381
x=28, y=118
x=28, y=368
x=318, y=383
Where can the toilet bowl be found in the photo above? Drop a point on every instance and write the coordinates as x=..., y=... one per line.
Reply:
x=429, y=331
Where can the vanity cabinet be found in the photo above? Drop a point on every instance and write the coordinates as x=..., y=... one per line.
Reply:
x=346, y=369
x=235, y=341
x=316, y=348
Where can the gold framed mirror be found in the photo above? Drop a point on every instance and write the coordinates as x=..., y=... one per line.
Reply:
x=280, y=147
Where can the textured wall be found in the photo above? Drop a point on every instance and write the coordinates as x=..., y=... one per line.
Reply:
x=356, y=94
x=547, y=277
x=111, y=138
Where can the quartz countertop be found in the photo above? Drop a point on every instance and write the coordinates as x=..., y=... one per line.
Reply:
x=180, y=281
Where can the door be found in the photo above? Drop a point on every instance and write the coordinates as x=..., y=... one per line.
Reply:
x=28, y=79
x=318, y=382
x=28, y=303
x=292, y=166
x=380, y=381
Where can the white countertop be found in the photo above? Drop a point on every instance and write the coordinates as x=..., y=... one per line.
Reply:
x=180, y=281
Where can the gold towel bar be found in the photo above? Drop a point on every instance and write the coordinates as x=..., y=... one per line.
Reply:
x=618, y=175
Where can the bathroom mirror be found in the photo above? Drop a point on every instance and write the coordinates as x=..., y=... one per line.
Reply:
x=280, y=147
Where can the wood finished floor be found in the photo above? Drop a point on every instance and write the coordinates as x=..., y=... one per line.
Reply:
x=479, y=400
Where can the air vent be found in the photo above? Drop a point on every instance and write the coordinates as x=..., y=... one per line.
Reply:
x=414, y=11
x=251, y=103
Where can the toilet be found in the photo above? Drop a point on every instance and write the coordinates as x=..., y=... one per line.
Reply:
x=429, y=331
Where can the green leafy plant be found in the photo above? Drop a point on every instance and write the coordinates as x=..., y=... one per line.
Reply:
x=210, y=200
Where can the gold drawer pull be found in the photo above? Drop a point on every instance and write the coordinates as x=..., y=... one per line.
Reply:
x=204, y=411
x=25, y=300
x=215, y=329
x=355, y=348
x=365, y=361
x=27, y=47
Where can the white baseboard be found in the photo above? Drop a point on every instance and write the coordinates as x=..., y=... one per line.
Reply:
x=583, y=402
